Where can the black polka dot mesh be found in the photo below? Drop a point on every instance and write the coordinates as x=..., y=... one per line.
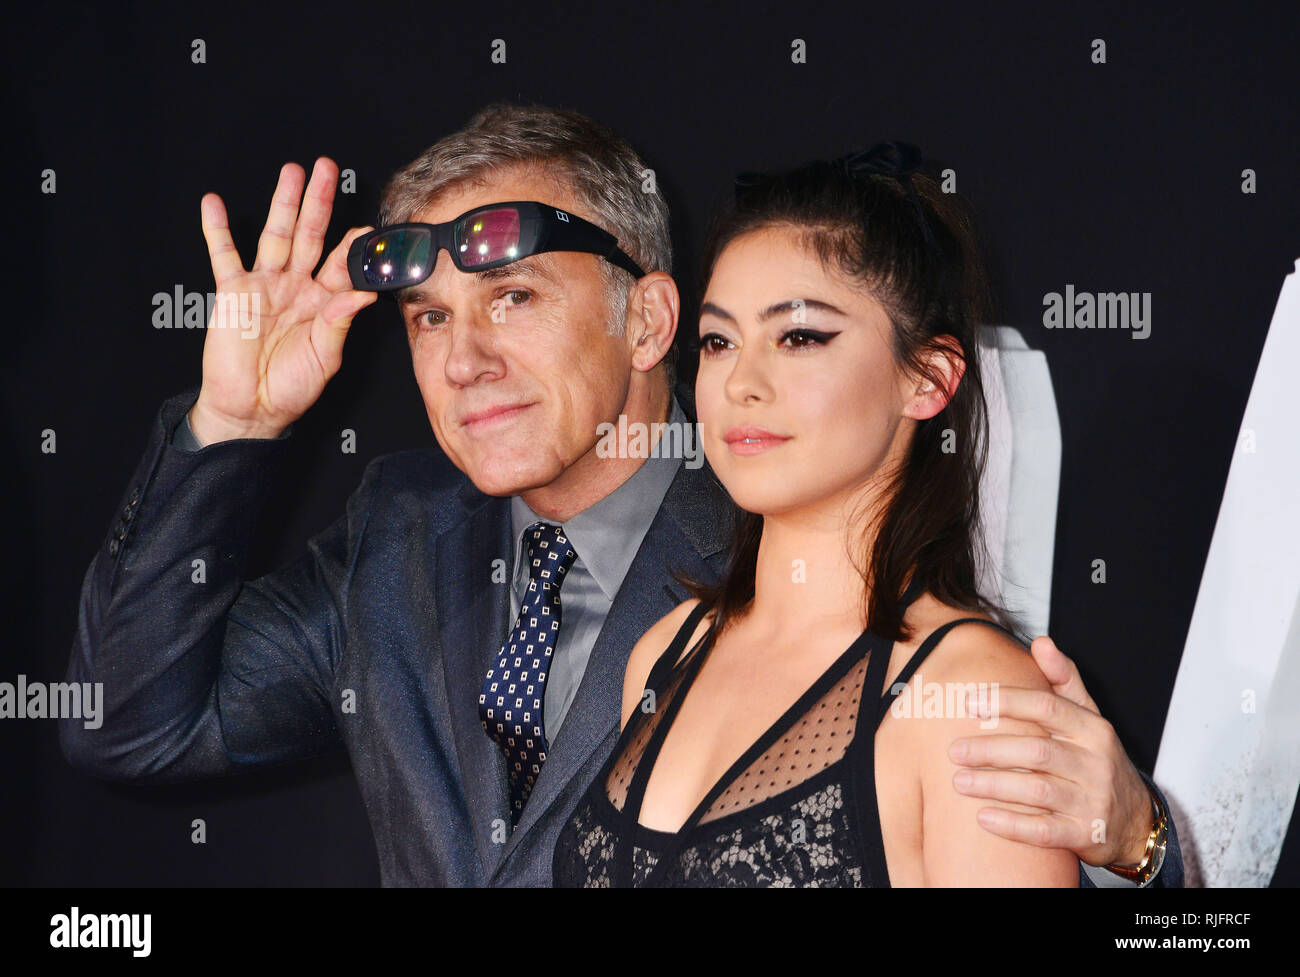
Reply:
x=817, y=739
x=797, y=809
x=782, y=819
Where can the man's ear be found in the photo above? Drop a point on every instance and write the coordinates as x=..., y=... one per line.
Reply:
x=947, y=366
x=653, y=306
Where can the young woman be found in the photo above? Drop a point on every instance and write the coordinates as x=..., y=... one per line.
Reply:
x=840, y=405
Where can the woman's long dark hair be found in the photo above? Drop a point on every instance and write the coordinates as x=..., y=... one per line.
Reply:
x=866, y=227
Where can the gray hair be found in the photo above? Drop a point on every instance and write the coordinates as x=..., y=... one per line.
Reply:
x=597, y=165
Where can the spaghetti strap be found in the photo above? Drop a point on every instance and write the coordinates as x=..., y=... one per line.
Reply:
x=910, y=593
x=927, y=646
x=668, y=659
x=797, y=808
x=672, y=653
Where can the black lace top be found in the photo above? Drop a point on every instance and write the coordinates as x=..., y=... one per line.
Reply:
x=798, y=808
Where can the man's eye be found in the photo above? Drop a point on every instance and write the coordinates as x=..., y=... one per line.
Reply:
x=424, y=318
x=511, y=299
x=712, y=343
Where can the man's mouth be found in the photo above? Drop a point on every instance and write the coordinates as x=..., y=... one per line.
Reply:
x=493, y=416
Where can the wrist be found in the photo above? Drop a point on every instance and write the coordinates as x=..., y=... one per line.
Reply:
x=210, y=427
x=1140, y=832
x=1147, y=862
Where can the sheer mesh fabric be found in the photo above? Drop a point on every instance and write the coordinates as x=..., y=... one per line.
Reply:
x=641, y=727
x=817, y=739
x=782, y=820
x=797, y=809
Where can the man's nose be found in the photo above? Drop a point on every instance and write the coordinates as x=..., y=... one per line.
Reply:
x=471, y=350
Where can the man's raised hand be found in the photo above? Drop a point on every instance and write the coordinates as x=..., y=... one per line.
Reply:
x=276, y=335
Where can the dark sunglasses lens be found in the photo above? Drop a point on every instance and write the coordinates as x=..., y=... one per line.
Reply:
x=399, y=257
x=490, y=235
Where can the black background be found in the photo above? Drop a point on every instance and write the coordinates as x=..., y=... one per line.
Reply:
x=1117, y=177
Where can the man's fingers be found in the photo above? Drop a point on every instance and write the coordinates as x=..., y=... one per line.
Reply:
x=1046, y=754
x=330, y=328
x=317, y=203
x=1042, y=830
x=221, y=247
x=334, y=273
x=277, y=236
x=1054, y=713
x=1060, y=670
x=1031, y=789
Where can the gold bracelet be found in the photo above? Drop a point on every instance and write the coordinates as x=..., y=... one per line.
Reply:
x=1153, y=857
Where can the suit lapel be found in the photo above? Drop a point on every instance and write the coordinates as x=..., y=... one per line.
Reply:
x=685, y=532
x=471, y=611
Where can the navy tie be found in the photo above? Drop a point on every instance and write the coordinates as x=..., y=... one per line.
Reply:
x=510, y=705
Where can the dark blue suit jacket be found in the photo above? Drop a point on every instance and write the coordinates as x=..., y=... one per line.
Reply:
x=377, y=639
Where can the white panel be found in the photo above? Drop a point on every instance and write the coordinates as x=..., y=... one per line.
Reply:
x=1231, y=774
x=1022, y=481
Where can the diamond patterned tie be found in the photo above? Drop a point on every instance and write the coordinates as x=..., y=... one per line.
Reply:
x=510, y=705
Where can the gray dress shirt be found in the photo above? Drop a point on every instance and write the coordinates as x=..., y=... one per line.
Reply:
x=606, y=537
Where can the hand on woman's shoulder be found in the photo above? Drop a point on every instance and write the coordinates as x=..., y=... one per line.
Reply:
x=648, y=650
x=957, y=850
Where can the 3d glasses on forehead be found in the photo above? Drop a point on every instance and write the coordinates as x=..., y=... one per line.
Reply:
x=401, y=255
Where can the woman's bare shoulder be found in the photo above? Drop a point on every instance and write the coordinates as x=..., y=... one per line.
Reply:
x=970, y=651
x=970, y=657
x=656, y=640
x=651, y=647
x=930, y=714
x=980, y=653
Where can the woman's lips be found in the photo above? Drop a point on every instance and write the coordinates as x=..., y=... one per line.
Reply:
x=755, y=446
x=752, y=441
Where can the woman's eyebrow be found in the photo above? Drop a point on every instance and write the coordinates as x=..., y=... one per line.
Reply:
x=774, y=310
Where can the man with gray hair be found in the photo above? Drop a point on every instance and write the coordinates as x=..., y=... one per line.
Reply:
x=408, y=632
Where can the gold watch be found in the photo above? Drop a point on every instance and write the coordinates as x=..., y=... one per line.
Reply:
x=1154, y=855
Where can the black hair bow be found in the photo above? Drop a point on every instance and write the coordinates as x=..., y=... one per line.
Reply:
x=898, y=160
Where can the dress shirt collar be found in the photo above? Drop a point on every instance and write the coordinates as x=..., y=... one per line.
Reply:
x=607, y=534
